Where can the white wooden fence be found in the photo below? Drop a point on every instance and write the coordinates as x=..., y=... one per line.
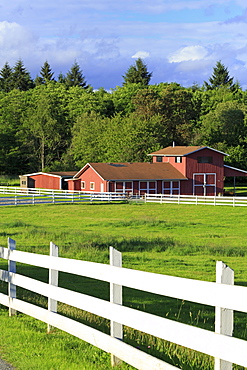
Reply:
x=195, y=199
x=24, y=196
x=222, y=295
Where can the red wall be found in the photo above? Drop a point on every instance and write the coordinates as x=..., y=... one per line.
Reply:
x=90, y=176
x=181, y=167
x=192, y=167
x=46, y=182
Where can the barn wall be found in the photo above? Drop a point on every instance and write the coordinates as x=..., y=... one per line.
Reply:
x=181, y=167
x=192, y=166
x=45, y=182
x=89, y=176
x=23, y=181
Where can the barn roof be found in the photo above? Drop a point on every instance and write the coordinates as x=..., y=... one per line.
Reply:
x=134, y=171
x=64, y=174
x=233, y=172
x=182, y=150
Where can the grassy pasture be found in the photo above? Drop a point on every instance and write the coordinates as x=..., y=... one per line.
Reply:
x=175, y=240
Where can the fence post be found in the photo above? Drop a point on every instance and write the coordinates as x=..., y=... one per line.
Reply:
x=223, y=316
x=11, y=268
x=53, y=280
x=116, y=298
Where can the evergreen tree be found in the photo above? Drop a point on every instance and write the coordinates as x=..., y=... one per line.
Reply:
x=220, y=78
x=6, y=78
x=46, y=74
x=75, y=77
x=21, y=77
x=61, y=78
x=137, y=73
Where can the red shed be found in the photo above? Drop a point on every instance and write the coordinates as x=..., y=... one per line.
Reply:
x=46, y=180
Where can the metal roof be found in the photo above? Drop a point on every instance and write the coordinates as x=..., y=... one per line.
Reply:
x=172, y=151
x=55, y=174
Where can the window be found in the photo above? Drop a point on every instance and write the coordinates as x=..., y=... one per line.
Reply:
x=152, y=187
x=83, y=185
x=24, y=183
x=91, y=185
x=171, y=187
x=178, y=159
x=128, y=186
x=205, y=159
x=147, y=187
x=124, y=186
x=119, y=186
x=159, y=159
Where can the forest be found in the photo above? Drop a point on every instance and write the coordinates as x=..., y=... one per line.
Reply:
x=60, y=125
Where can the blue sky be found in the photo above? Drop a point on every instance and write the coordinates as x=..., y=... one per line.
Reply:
x=179, y=40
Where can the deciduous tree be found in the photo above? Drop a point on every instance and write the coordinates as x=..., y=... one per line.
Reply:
x=226, y=124
x=46, y=125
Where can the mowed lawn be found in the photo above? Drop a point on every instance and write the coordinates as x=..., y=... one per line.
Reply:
x=179, y=240
x=170, y=239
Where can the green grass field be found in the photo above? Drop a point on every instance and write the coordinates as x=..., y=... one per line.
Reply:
x=183, y=241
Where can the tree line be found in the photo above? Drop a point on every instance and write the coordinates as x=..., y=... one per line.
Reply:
x=49, y=125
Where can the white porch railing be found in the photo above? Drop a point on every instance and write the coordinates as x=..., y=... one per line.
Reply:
x=222, y=295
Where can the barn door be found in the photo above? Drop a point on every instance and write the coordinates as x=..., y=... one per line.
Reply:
x=204, y=184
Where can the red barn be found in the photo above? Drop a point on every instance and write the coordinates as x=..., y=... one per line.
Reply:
x=185, y=170
x=191, y=170
x=134, y=178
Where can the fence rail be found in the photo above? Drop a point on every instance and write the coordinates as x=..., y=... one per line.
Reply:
x=222, y=295
x=18, y=196
x=24, y=196
x=191, y=199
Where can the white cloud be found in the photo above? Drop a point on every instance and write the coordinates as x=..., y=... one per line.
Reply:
x=15, y=42
x=104, y=35
x=195, y=52
x=141, y=54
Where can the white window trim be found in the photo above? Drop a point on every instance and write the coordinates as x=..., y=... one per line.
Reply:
x=123, y=190
x=205, y=185
x=92, y=185
x=171, y=188
x=178, y=159
x=148, y=186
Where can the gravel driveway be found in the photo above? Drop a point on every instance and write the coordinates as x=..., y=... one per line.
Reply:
x=5, y=366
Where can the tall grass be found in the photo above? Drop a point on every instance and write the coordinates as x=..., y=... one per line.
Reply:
x=176, y=240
